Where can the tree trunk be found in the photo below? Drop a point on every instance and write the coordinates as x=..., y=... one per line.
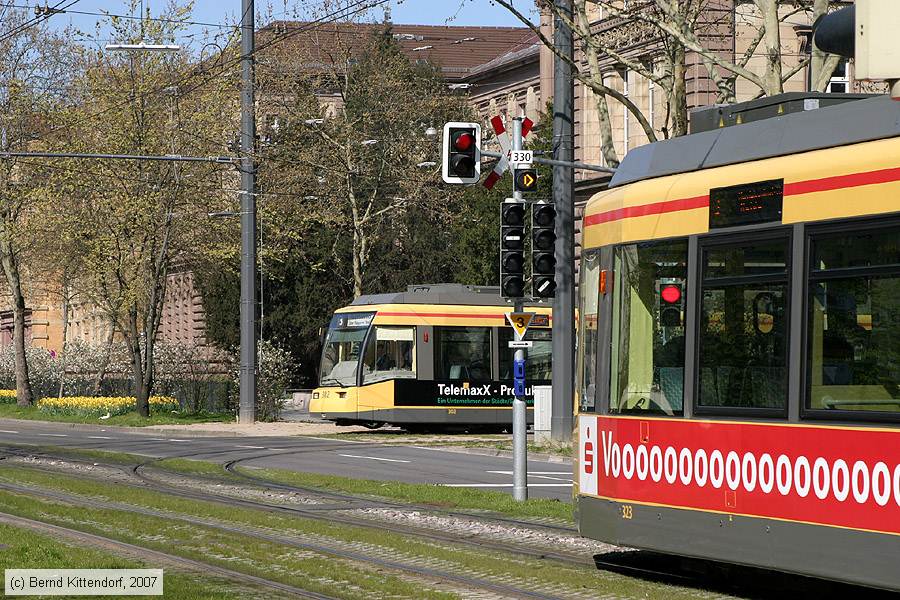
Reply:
x=607, y=146
x=772, y=78
x=141, y=393
x=107, y=354
x=679, y=93
x=65, y=331
x=822, y=65
x=24, y=396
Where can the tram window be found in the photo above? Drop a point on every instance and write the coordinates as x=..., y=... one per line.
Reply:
x=854, y=322
x=743, y=326
x=343, y=346
x=588, y=342
x=462, y=353
x=648, y=328
x=540, y=356
x=390, y=354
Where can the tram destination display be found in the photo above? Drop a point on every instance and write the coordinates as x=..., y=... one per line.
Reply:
x=746, y=204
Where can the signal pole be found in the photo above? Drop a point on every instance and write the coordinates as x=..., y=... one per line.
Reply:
x=520, y=418
x=247, y=406
x=563, y=344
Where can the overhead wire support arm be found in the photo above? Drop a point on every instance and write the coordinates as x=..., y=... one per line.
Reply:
x=160, y=157
x=558, y=163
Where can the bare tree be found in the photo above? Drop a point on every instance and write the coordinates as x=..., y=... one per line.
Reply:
x=668, y=31
x=352, y=135
x=137, y=220
x=35, y=67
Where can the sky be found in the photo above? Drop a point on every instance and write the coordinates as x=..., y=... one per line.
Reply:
x=426, y=12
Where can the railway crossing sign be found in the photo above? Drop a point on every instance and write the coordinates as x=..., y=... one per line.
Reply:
x=520, y=321
x=505, y=148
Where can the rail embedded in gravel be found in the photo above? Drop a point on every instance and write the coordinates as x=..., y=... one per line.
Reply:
x=92, y=539
x=546, y=523
x=382, y=558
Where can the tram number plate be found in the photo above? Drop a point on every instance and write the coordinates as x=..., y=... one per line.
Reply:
x=627, y=511
x=520, y=344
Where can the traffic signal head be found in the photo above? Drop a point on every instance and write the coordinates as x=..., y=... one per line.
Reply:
x=671, y=301
x=461, y=153
x=512, y=248
x=543, y=245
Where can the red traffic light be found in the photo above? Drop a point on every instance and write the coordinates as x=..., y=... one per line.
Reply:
x=463, y=140
x=671, y=294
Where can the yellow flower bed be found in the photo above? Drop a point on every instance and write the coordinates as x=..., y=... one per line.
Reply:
x=7, y=396
x=102, y=405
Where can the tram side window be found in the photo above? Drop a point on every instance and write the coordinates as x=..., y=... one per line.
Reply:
x=588, y=342
x=390, y=354
x=854, y=322
x=743, y=325
x=648, y=328
x=539, y=363
x=462, y=353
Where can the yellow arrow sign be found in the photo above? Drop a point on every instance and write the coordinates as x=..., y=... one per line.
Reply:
x=519, y=322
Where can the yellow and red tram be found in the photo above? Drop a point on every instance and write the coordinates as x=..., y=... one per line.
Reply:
x=739, y=367
x=431, y=357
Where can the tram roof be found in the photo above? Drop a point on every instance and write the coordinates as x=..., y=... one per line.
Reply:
x=440, y=293
x=839, y=125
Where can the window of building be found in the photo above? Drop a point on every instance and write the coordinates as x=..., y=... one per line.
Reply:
x=462, y=353
x=840, y=81
x=539, y=363
x=648, y=328
x=390, y=354
x=743, y=325
x=588, y=341
x=854, y=322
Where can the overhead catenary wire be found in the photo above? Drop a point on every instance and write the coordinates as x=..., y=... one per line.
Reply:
x=355, y=8
x=35, y=20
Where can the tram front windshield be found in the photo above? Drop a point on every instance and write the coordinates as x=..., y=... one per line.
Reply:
x=343, y=346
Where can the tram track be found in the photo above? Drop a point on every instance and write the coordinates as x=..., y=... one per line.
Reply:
x=231, y=467
x=92, y=539
x=341, y=550
x=621, y=563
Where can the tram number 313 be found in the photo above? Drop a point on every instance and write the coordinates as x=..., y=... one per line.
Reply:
x=627, y=512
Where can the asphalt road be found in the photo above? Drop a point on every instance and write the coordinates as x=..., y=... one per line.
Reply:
x=365, y=460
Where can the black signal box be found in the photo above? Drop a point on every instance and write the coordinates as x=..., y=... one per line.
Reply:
x=525, y=180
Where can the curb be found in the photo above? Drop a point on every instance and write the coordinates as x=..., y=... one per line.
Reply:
x=550, y=458
x=87, y=427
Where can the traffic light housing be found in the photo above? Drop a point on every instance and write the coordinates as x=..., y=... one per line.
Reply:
x=512, y=248
x=461, y=153
x=543, y=245
x=671, y=304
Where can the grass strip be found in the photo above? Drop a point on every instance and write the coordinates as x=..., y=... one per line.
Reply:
x=456, y=558
x=131, y=419
x=308, y=570
x=422, y=493
x=26, y=549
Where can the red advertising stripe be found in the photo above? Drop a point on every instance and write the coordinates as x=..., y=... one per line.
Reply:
x=654, y=208
x=838, y=477
x=448, y=315
x=842, y=181
x=824, y=184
